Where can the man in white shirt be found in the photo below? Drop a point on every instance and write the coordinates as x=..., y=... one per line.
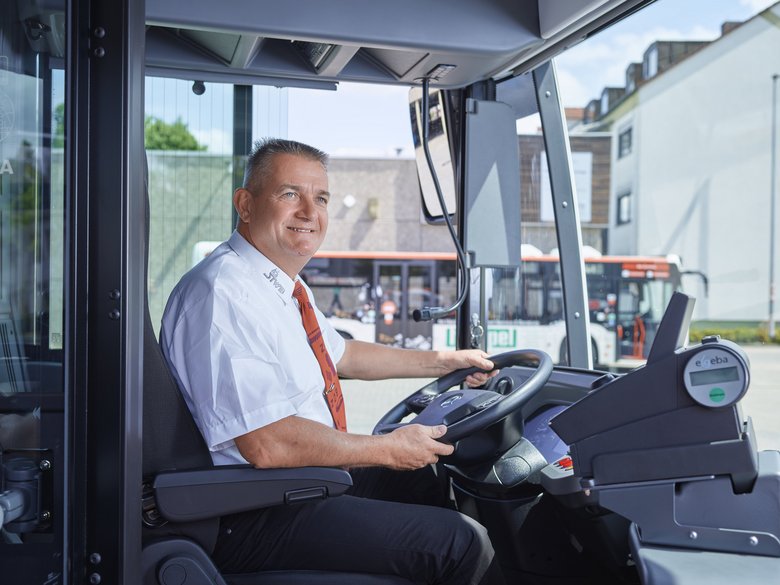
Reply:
x=233, y=336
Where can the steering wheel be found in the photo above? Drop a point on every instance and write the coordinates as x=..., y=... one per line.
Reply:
x=467, y=411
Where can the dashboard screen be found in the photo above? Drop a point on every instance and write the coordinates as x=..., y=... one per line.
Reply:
x=541, y=435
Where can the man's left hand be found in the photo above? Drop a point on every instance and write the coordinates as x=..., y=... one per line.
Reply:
x=467, y=358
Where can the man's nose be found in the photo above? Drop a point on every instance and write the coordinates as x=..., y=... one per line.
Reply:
x=306, y=208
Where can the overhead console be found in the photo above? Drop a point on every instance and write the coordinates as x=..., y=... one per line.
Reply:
x=312, y=43
x=322, y=42
x=666, y=446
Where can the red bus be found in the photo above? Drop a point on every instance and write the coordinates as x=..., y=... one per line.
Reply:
x=371, y=296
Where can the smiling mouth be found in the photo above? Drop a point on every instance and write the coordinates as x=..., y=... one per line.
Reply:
x=301, y=230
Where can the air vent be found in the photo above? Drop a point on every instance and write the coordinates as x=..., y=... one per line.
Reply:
x=316, y=54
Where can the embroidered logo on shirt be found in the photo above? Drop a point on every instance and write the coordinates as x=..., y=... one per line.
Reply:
x=271, y=276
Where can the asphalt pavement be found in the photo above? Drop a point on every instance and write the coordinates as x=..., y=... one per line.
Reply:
x=762, y=401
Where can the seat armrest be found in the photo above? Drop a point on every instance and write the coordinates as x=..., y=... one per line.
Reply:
x=185, y=496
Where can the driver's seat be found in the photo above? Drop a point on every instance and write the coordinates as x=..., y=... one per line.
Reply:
x=185, y=494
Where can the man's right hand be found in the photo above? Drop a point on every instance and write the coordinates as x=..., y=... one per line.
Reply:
x=414, y=446
x=298, y=442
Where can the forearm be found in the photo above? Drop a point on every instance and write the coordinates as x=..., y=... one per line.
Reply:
x=371, y=361
x=299, y=442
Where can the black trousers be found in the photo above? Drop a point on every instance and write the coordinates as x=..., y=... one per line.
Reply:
x=388, y=523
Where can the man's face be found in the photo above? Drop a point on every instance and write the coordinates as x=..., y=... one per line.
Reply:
x=286, y=214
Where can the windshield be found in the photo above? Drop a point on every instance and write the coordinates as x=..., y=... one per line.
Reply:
x=684, y=96
x=642, y=205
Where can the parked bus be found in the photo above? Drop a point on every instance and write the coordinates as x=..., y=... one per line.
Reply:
x=370, y=296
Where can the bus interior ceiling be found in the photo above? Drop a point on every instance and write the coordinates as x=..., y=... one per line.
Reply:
x=308, y=43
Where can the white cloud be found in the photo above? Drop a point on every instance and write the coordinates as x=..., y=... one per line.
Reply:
x=352, y=152
x=573, y=90
x=593, y=65
x=586, y=53
x=216, y=139
x=366, y=90
x=636, y=43
x=529, y=124
x=756, y=6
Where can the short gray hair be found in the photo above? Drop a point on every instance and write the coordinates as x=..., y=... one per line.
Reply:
x=258, y=165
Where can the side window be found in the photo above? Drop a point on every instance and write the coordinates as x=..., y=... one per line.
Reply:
x=650, y=62
x=193, y=169
x=624, y=142
x=555, y=296
x=33, y=149
x=505, y=301
x=341, y=287
x=533, y=292
x=624, y=209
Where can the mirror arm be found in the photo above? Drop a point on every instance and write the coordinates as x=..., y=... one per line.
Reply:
x=432, y=313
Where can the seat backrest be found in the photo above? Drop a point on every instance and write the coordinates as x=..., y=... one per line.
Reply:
x=171, y=440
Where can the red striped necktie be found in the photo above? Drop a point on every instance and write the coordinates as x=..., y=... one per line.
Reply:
x=332, y=391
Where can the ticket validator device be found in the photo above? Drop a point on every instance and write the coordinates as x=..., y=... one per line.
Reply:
x=667, y=447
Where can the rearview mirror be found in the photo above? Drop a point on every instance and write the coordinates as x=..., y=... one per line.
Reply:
x=439, y=145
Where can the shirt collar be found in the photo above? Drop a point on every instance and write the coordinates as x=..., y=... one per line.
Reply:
x=272, y=276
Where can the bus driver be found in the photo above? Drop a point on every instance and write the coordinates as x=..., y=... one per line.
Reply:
x=251, y=354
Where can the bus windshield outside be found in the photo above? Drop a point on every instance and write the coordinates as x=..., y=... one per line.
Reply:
x=370, y=296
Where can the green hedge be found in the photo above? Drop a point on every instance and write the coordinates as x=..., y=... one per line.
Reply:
x=740, y=334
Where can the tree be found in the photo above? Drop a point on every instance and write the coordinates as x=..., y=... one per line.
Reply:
x=160, y=135
x=58, y=140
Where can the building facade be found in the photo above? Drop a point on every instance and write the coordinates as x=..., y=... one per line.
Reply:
x=691, y=164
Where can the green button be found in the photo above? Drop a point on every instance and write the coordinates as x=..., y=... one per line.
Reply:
x=717, y=394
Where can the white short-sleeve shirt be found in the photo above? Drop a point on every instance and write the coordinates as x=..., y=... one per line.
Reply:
x=233, y=337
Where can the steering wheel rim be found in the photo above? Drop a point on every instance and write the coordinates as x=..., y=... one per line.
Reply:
x=466, y=412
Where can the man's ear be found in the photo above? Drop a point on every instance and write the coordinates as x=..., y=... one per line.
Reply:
x=242, y=201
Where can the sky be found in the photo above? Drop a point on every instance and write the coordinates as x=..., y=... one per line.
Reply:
x=601, y=61
x=372, y=120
